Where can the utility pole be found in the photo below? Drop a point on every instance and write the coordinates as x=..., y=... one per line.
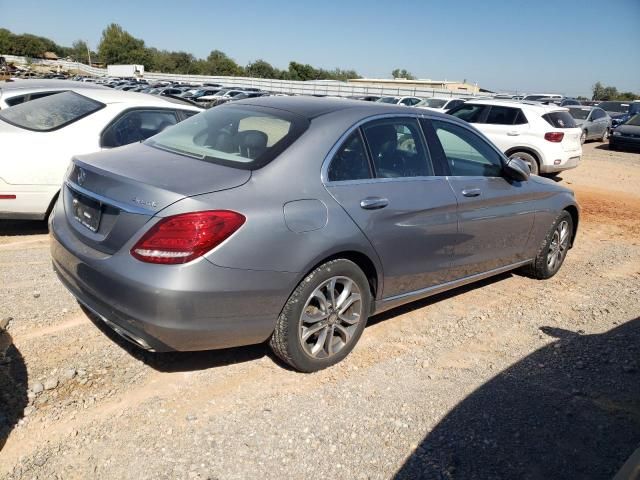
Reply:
x=89, y=53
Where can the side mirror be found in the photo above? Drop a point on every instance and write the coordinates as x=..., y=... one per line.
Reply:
x=517, y=169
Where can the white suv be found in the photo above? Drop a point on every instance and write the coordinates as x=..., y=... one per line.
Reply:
x=544, y=136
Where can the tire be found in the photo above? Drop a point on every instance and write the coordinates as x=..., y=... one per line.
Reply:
x=530, y=160
x=557, y=243
x=612, y=147
x=330, y=333
x=605, y=135
x=583, y=137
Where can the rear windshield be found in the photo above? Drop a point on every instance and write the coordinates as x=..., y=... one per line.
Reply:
x=51, y=112
x=618, y=107
x=241, y=136
x=559, y=119
x=579, y=113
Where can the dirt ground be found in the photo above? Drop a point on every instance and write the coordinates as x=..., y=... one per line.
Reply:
x=511, y=378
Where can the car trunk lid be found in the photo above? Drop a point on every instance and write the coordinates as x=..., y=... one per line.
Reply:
x=108, y=197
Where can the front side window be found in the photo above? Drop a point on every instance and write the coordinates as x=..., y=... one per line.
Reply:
x=469, y=112
x=397, y=148
x=597, y=114
x=137, y=125
x=467, y=154
x=240, y=136
x=350, y=162
x=51, y=112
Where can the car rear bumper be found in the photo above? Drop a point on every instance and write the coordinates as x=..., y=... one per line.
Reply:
x=29, y=202
x=196, y=306
x=565, y=161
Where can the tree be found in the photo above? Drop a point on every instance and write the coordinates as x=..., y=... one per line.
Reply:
x=397, y=73
x=80, y=51
x=262, y=69
x=219, y=64
x=117, y=46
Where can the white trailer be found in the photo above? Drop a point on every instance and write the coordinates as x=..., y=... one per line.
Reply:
x=125, y=71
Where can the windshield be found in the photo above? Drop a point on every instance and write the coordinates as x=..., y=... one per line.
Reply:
x=635, y=121
x=239, y=136
x=618, y=107
x=432, y=103
x=387, y=100
x=579, y=113
x=51, y=112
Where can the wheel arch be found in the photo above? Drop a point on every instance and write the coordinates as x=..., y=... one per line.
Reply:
x=363, y=261
x=575, y=217
x=534, y=153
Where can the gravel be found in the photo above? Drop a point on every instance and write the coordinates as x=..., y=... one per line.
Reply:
x=509, y=378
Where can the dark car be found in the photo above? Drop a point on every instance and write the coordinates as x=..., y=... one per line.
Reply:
x=620, y=112
x=292, y=220
x=627, y=135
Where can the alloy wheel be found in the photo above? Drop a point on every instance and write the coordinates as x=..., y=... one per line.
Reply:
x=559, y=246
x=330, y=317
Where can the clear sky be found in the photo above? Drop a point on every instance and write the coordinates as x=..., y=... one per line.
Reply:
x=550, y=46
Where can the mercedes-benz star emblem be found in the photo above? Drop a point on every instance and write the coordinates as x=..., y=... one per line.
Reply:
x=82, y=175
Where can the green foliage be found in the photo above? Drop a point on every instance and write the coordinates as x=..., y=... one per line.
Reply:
x=397, y=73
x=602, y=92
x=117, y=46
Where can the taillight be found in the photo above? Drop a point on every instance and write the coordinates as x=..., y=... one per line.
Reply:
x=554, y=136
x=182, y=238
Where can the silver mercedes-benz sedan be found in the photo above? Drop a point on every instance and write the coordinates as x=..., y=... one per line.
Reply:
x=294, y=219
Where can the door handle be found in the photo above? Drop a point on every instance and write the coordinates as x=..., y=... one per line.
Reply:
x=513, y=134
x=373, y=203
x=471, y=192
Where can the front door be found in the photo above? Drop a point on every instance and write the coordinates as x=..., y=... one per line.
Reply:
x=495, y=214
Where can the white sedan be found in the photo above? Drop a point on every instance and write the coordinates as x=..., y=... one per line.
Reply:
x=440, y=104
x=39, y=137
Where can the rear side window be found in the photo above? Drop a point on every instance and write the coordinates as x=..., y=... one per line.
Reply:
x=137, y=125
x=244, y=136
x=505, y=116
x=350, y=162
x=559, y=119
x=51, y=112
x=397, y=148
x=469, y=112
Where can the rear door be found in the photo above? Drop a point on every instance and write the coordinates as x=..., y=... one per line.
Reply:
x=383, y=177
x=495, y=214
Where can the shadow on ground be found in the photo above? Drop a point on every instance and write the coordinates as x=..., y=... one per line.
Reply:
x=182, y=361
x=13, y=386
x=23, y=227
x=568, y=410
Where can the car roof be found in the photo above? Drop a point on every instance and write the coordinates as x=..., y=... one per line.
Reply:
x=520, y=103
x=44, y=84
x=582, y=107
x=110, y=96
x=313, y=107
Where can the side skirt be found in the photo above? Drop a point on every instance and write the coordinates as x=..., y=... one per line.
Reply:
x=397, y=300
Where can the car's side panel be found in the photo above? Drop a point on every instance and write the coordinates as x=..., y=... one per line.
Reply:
x=413, y=235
